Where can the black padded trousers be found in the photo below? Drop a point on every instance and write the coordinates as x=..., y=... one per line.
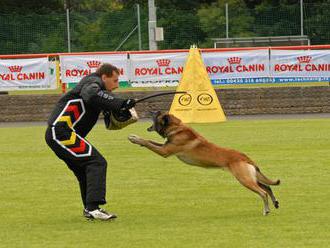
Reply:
x=87, y=164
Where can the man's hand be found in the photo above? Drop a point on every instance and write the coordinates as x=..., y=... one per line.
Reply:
x=129, y=103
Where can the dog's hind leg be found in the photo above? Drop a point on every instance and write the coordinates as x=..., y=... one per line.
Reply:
x=264, y=180
x=246, y=175
x=271, y=194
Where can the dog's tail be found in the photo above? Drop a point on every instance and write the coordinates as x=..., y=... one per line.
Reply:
x=264, y=180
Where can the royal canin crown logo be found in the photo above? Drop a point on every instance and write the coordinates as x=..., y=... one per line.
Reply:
x=15, y=68
x=163, y=62
x=234, y=60
x=304, y=59
x=93, y=64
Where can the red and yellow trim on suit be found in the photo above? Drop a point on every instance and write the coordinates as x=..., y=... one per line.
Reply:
x=71, y=141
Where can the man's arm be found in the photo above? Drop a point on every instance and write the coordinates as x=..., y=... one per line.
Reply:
x=105, y=100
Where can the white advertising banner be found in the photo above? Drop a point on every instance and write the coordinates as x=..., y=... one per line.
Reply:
x=300, y=63
x=52, y=73
x=156, y=69
x=75, y=67
x=237, y=64
x=25, y=74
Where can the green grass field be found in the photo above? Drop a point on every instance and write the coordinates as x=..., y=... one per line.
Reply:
x=165, y=203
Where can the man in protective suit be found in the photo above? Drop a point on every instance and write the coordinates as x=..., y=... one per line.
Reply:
x=73, y=117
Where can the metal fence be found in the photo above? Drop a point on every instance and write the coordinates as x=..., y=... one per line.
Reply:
x=110, y=31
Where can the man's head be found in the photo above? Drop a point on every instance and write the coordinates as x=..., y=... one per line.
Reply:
x=109, y=75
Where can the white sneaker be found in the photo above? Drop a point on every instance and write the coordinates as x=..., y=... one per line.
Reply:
x=99, y=214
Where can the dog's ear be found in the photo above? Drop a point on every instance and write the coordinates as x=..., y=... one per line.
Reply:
x=155, y=114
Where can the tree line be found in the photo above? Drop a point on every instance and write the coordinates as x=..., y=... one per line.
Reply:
x=38, y=26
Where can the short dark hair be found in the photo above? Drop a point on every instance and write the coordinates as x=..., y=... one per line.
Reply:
x=106, y=69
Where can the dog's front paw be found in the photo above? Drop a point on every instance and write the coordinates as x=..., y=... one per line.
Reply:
x=135, y=139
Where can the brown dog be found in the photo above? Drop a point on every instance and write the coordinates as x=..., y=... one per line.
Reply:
x=192, y=148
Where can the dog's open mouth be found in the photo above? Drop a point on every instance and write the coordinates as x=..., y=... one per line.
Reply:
x=151, y=128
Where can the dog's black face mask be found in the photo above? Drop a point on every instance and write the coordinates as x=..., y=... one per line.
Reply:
x=160, y=122
x=154, y=116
